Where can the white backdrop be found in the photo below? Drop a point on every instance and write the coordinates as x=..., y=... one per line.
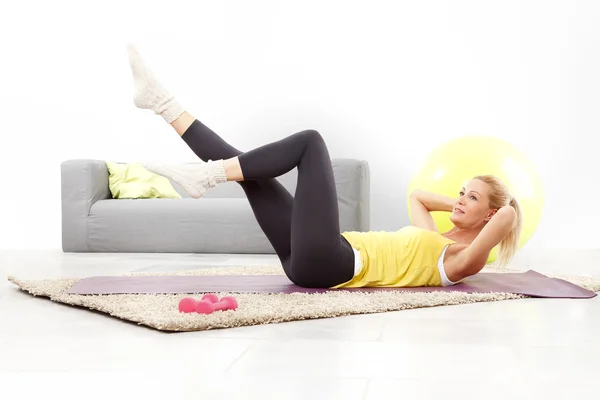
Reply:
x=385, y=81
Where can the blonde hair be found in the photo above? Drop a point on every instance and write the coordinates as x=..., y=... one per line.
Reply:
x=500, y=196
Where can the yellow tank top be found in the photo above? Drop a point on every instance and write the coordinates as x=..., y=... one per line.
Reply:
x=405, y=258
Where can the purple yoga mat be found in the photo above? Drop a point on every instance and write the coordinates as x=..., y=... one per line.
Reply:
x=528, y=283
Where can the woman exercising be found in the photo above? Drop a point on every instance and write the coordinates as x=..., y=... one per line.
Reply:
x=304, y=229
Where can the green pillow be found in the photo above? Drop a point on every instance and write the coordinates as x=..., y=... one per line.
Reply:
x=133, y=181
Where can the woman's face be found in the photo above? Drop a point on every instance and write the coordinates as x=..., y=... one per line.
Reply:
x=471, y=209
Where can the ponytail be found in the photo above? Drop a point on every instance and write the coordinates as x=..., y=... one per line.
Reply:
x=510, y=243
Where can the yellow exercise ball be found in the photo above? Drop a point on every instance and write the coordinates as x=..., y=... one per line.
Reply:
x=447, y=168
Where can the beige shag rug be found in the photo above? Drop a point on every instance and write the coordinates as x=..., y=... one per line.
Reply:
x=160, y=311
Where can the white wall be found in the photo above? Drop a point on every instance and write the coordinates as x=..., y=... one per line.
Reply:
x=385, y=81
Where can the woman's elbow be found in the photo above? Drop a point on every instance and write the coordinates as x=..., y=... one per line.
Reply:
x=508, y=214
x=415, y=194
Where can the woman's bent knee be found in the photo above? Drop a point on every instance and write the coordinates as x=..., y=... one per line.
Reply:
x=311, y=135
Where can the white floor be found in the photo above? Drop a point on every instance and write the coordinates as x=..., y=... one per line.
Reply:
x=522, y=349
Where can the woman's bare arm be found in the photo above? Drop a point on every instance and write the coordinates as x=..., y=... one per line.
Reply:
x=490, y=236
x=422, y=203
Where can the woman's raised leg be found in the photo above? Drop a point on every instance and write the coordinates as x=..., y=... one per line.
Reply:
x=271, y=203
x=304, y=230
x=321, y=256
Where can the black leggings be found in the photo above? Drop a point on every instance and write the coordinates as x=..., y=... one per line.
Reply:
x=303, y=229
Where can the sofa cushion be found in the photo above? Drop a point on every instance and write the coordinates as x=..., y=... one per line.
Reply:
x=185, y=225
x=133, y=181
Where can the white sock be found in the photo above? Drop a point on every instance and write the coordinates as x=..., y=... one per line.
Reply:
x=148, y=92
x=195, y=179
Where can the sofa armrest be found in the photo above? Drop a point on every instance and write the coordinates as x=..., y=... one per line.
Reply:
x=353, y=185
x=83, y=182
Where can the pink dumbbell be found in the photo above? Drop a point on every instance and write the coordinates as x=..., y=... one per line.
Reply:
x=210, y=297
x=208, y=307
x=188, y=304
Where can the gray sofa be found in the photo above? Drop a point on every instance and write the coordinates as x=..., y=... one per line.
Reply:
x=220, y=222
